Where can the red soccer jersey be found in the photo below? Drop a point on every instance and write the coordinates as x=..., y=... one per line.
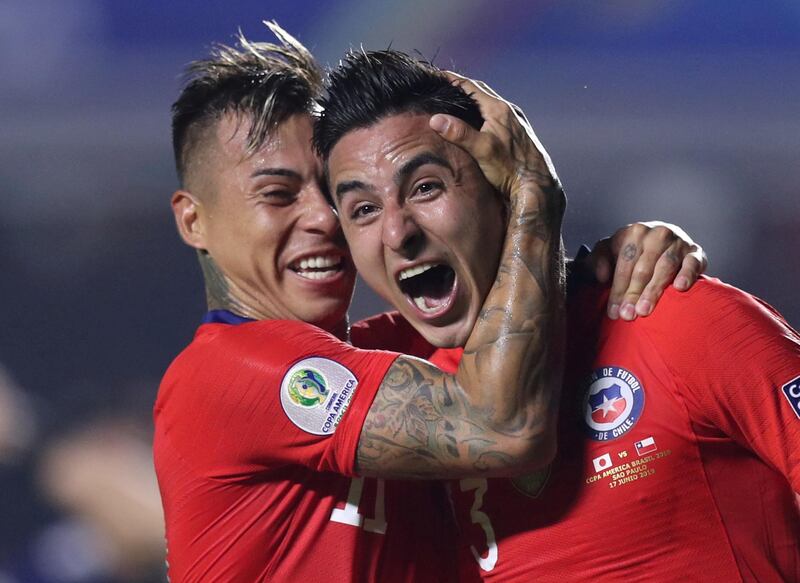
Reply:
x=679, y=447
x=256, y=428
x=390, y=331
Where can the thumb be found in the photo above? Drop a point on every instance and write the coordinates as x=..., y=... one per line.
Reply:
x=458, y=132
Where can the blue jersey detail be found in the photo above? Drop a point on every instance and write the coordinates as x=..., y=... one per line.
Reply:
x=224, y=317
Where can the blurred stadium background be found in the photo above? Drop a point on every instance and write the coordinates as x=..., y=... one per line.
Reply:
x=678, y=110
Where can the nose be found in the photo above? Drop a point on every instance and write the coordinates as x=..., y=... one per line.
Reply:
x=317, y=215
x=401, y=233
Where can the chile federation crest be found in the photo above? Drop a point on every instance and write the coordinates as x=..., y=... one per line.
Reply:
x=613, y=403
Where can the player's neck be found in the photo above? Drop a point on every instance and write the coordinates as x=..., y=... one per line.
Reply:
x=221, y=294
x=341, y=330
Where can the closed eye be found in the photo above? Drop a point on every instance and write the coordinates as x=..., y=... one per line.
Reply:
x=279, y=197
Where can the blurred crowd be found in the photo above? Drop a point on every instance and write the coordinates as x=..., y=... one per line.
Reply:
x=80, y=502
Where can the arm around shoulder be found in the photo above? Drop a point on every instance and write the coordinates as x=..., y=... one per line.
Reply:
x=423, y=424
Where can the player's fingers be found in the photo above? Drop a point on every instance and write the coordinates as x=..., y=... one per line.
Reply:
x=626, y=260
x=520, y=114
x=665, y=269
x=641, y=276
x=472, y=87
x=469, y=84
x=492, y=105
x=479, y=145
x=693, y=265
x=488, y=89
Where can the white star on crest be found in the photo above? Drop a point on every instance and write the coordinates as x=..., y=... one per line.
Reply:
x=607, y=405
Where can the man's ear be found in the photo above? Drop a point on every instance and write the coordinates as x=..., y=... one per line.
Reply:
x=186, y=208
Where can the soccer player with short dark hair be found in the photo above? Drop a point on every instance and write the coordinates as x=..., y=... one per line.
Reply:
x=679, y=433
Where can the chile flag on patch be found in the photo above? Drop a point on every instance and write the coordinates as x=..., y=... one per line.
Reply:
x=607, y=404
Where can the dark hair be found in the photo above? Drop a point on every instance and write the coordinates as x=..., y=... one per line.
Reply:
x=368, y=86
x=265, y=81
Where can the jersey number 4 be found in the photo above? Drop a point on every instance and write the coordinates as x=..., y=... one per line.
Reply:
x=351, y=514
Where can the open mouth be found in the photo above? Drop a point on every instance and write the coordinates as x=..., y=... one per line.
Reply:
x=317, y=267
x=429, y=286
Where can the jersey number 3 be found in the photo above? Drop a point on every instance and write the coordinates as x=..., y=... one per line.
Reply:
x=350, y=513
x=480, y=518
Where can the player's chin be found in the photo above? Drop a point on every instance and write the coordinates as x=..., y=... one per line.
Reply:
x=451, y=335
x=326, y=314
x=323, y=305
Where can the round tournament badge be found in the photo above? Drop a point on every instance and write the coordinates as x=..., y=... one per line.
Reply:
x=316, y=392
x=307, y=387
x=613, y=403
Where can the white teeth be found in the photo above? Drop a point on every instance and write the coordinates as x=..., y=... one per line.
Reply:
x=317, y=274
x=412, y=271
x=420, y=303
x=318, y=262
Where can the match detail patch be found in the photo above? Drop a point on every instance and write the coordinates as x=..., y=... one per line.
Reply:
x=532, y=484
x=316, y=392
x=613, y=403
x=791, y=391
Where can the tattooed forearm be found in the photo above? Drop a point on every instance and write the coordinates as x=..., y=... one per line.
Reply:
x=497, y=415
x=422, y=425
x=512, y=361
x=528, y=292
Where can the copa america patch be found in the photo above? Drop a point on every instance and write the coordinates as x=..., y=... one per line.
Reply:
x=316, y=392
x=791, y=391
x=613, y=403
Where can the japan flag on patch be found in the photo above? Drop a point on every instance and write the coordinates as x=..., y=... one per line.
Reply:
x=601, y=463
x=791, y=391
x=646, y=445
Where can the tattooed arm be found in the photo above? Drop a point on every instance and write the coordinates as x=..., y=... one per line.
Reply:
x=496, y=416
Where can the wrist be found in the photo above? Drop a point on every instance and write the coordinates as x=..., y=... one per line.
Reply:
x=532, y=201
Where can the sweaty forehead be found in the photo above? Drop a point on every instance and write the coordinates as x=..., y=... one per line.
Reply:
x=224, y=152
x=294, y=135
x=385, y=144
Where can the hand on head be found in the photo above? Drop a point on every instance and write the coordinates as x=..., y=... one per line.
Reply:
x=506, y=147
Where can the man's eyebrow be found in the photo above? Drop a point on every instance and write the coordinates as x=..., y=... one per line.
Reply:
x=344, y=187
x=416, y=162
x=401, y=175
x=276, y=172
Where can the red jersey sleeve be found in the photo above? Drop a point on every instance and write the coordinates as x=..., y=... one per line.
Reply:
x=258, y=396
x=736, y=359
